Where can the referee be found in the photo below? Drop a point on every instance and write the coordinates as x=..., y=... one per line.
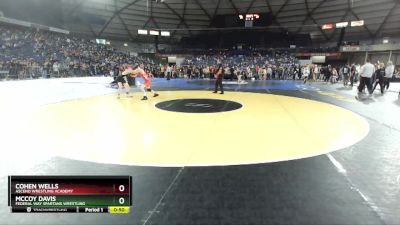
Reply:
x=367, y=71
x=219, y=76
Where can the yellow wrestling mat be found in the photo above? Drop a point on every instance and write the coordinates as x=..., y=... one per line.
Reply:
x=268, y=128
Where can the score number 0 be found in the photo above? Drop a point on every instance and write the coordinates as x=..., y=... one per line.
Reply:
x=121, y=188
x=121, y=201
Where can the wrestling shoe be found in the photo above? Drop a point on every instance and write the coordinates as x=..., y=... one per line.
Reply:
x=155, y=95
x=144, y=98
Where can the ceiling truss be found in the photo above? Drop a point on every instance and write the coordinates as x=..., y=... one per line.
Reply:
x=177, y=14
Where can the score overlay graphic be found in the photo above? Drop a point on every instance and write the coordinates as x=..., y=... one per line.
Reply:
x=70, y=194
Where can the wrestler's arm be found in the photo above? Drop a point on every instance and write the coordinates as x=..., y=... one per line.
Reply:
x=126, y=72
x=130, y=72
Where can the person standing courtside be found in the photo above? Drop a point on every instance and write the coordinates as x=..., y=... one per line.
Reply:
x=366, y=72
x=315, y=72
x=389, y=71
x=231, y=72
x=327, y=73
x=219, y=74
x=346, y=71
x=169, y=72
x=353, y=74
x=380, y=76
x=306, y=73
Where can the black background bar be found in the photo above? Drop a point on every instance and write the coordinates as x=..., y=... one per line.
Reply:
x=66, y=178
x=43, y=210
x=130, y=191
x=59, y=209
x=9, y=190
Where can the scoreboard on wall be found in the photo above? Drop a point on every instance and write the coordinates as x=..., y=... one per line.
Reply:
x=69, y=194
x=242, y=20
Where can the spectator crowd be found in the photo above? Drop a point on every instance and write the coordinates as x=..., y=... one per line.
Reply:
x=32, y=53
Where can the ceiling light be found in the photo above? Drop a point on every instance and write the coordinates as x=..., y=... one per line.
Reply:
x=165, y=33
x=142, y=32
x=154, y=32
x=357, y=23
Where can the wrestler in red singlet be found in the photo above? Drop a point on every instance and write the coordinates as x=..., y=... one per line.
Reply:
x=147, y=82
x=146, y=77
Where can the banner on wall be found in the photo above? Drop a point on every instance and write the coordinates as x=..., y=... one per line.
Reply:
x=304, y=62
x=133, y=54
x=351, y=48
x=318, y=59
x=310, y=54
x=171, y=59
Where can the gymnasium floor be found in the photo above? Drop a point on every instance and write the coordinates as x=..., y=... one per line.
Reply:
x=271, y=152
